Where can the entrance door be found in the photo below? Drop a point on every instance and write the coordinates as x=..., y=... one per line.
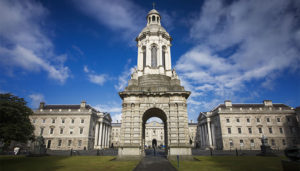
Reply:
x=49, y=144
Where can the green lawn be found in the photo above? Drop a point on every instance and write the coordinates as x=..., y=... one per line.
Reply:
x=106, y=163
x=231, y=163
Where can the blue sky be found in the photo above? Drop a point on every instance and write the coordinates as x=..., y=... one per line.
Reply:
x=62, y=52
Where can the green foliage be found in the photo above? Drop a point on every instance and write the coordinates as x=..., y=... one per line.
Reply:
x=15, y=124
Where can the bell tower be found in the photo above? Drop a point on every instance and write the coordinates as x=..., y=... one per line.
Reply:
x=154, y=90
x=154, y=44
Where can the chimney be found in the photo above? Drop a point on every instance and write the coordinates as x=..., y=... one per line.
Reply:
x=117, y=121
x=83, y=104
x=42, y=105
x=268, y=102
x=228, y=103
x=191, y=121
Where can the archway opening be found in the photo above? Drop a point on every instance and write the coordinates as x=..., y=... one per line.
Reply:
x=155, y=132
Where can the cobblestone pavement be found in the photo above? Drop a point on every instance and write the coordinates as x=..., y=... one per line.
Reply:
x=154, y=162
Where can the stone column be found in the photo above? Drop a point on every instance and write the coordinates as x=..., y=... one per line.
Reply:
x=209, y=132
x=109, y=136
x=104, y=135
x=96, y=135
x=100, y=134
x=105, y=139
x=201, y=136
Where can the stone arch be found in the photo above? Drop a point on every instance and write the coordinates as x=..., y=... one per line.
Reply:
x=155, y=112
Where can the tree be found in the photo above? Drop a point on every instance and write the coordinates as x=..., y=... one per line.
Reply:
x=15, y=124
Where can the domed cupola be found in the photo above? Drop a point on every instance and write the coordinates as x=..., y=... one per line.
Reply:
x=153, y=17
x=154, y=42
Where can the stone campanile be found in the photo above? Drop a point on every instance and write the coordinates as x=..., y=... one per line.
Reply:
x=154, y=90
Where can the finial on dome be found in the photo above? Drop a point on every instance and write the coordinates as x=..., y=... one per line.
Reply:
x=153, y=4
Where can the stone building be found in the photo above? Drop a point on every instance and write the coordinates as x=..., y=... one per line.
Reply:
x=154, y=90
x=115, y=134
x=230, y=126
x=153, y=130
x=193, y=133
x=298, y=114
x=67, y=127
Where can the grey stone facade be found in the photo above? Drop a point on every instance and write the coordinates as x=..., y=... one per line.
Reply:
x=153, y=130
x=66, y=127
x=230, y=126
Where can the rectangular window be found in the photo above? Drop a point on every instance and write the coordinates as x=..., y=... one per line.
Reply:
x=61, y=131
x=281, y=130
x=51, y=130
x=288, y=119
x=252, y=142
x=291, y=130
x=237, y=119
x=44, y=120
x=248, y=120
x=257, y=120
x=53, y=120
x=82, y=120
x=260, y=130
x=73, y=121
x=42, y=131
x=268, y=119
x=273, y=142
x=81, y=130
x=239, y=130
x=79, y=143
x=33, y=120
x=250, y=130
x=69, y=142
x=229, y=130
x=59, y=143
x=283, y=142
x=227, y=120
x=63, y=121
x=270, y=131
x=71, y=131
x=241, y=143
x=278, y=119
x=231, y=143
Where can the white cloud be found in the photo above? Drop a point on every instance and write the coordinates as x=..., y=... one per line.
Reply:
x=99, y=79
x=238, y=43
x=117, y=118
x=114, y=108
x=123, y=79
x=117, y=15
x=86, y=69
x=36, y=99
x=24, y=42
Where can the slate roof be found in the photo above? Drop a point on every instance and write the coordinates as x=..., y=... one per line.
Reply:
x=283, y=106
x=67, y=107
x=116, y=124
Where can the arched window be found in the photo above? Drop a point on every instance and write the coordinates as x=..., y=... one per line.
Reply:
x=157, y=19
x=164, y=56
x=153, y=56
x=153, y=18
x=149, y=19
x=144, y=56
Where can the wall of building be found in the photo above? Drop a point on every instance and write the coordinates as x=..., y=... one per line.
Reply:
x=241, y=126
